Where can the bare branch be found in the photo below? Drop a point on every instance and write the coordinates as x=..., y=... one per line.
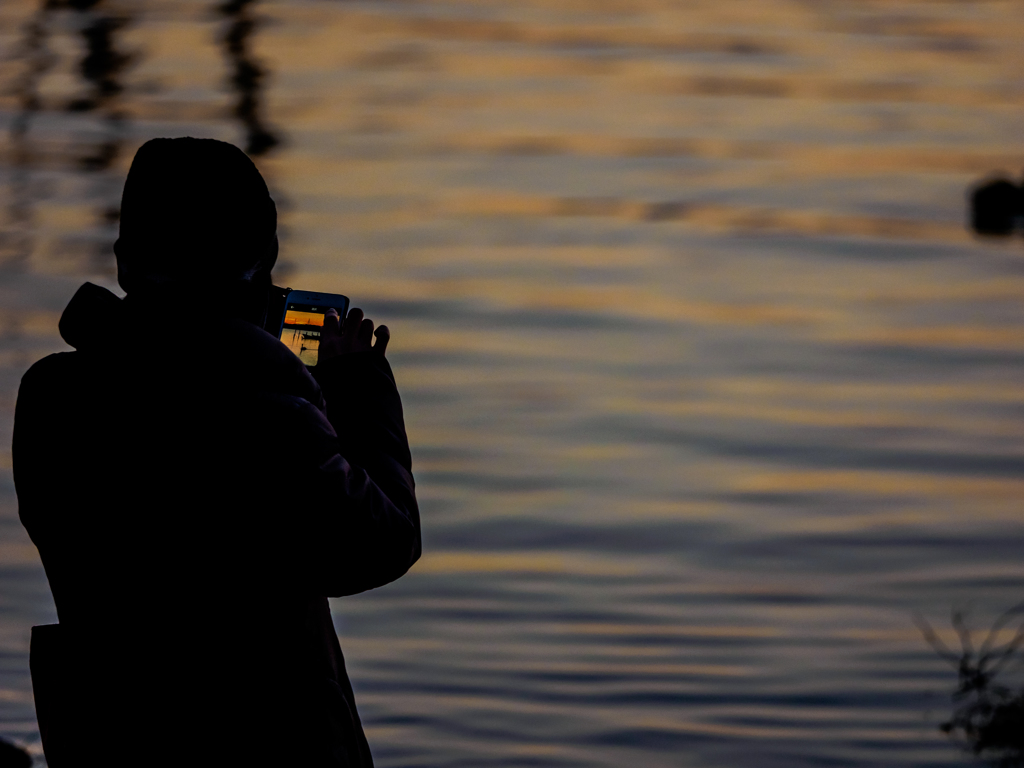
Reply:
x=1001, y=622
x=1006, y=652
x=963, y=633
x=934, y=641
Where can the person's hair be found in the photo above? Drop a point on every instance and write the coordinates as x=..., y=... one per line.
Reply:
x=195, y=208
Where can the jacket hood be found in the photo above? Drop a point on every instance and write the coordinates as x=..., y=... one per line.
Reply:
x=90, y=310
x=165, y=332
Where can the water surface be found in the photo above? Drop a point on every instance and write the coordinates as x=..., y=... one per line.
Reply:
x=708, y=388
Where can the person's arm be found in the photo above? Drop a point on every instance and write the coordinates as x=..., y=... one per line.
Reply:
x=373, y=462
x=362, y=399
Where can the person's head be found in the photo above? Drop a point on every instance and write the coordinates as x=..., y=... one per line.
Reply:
x=194, y=209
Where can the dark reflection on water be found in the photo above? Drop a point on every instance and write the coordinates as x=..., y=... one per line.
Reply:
x=102, y=63
x=247, y=76
x=101, y=68
x=16, y=238
x=103, y=129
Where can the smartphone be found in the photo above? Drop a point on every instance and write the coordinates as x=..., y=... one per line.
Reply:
x=302, y=320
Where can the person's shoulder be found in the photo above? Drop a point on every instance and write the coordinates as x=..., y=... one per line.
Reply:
x=42, y=384
x=51, y=369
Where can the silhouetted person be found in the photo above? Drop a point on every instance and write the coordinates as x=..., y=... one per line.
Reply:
x=196, y=493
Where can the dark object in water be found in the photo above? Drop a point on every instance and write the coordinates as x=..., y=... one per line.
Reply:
x=996, y=207
x=12, y=756
x=989, y=717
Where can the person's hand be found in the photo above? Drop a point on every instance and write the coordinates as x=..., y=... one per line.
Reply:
x=354, y=335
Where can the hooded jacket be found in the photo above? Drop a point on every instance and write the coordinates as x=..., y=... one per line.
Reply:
x=196, y=494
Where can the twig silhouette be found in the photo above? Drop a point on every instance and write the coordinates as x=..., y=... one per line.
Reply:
x=989, y=717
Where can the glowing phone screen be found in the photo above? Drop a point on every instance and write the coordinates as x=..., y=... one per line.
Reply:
x=301, y=330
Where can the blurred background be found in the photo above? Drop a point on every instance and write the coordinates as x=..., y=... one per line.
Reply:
x=708, y=386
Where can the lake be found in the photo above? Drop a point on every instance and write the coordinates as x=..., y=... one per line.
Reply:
x=709, y=389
